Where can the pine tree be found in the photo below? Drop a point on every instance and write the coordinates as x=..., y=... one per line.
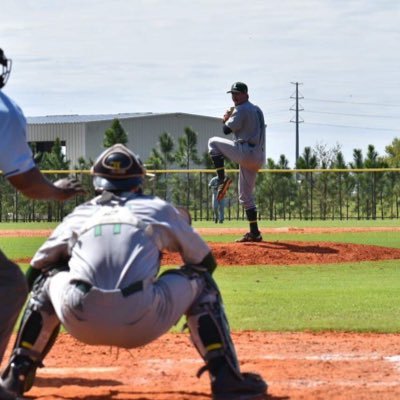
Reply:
x=115, y=134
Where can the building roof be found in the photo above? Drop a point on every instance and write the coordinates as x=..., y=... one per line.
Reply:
x=77, y=119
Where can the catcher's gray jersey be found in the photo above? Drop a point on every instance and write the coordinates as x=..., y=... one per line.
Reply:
x=113, y=246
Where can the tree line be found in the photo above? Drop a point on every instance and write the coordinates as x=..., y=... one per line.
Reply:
x=281, y=193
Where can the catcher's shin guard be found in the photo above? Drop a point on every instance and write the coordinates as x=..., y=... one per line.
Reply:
x=209, y=329
x=36, y=335
x=210, y=333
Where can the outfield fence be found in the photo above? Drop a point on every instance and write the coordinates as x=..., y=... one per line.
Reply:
x=302, y=194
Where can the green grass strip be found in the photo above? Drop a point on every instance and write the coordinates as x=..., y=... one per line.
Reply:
x=267, y=224
x=20, y=247
x=28, y=225
x=361, y=297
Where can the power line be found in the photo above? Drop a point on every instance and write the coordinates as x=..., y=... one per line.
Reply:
x=354, y=102
x=355, y=127
x=277, y=112
x=355, y=115
x=278, y=100
x=276, y=121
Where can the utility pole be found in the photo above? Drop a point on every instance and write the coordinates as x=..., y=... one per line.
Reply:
x=297, y=120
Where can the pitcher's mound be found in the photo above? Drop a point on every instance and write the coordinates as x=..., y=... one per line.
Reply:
x=290, y=253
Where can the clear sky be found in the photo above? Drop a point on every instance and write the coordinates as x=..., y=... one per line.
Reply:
x=114, y=56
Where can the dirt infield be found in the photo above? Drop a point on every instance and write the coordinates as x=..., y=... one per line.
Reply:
x=292, y=253
x=296, y=365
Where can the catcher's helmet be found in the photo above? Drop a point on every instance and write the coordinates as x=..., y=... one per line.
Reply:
x=117, y=169
x=5, y=65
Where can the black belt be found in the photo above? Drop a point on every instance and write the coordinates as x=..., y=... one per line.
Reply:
x=248, y=143
x=85, y=287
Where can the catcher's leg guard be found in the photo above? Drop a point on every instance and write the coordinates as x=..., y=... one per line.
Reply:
x=36, y=335
x=209, y=330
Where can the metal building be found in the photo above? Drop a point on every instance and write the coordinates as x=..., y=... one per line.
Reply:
x=83, y=135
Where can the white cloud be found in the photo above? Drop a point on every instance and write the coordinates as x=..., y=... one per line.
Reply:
x=102, y=56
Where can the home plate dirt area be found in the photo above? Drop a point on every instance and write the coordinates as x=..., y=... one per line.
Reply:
x=295, y=365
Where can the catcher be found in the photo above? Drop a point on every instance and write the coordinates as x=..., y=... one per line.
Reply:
x=97, y=275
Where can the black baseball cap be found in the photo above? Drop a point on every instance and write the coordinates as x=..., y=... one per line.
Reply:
x=238, y=87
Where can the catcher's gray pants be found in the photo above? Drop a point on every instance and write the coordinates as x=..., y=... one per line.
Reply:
x=250, y=160
x=101, y=317
x=13, y=292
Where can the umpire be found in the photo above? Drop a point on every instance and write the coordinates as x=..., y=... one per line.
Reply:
x=18, y=167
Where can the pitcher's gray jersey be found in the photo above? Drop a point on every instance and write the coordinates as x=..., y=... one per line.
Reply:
x=247, y=149
x=248, y=125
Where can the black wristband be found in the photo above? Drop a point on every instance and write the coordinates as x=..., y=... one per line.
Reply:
x=209, y=262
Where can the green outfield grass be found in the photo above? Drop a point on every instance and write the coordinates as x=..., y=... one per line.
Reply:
x=238, y=224
x=362, y=297
x=300, y=224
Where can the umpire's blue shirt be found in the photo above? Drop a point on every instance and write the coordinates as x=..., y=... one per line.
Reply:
x=15, y=154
